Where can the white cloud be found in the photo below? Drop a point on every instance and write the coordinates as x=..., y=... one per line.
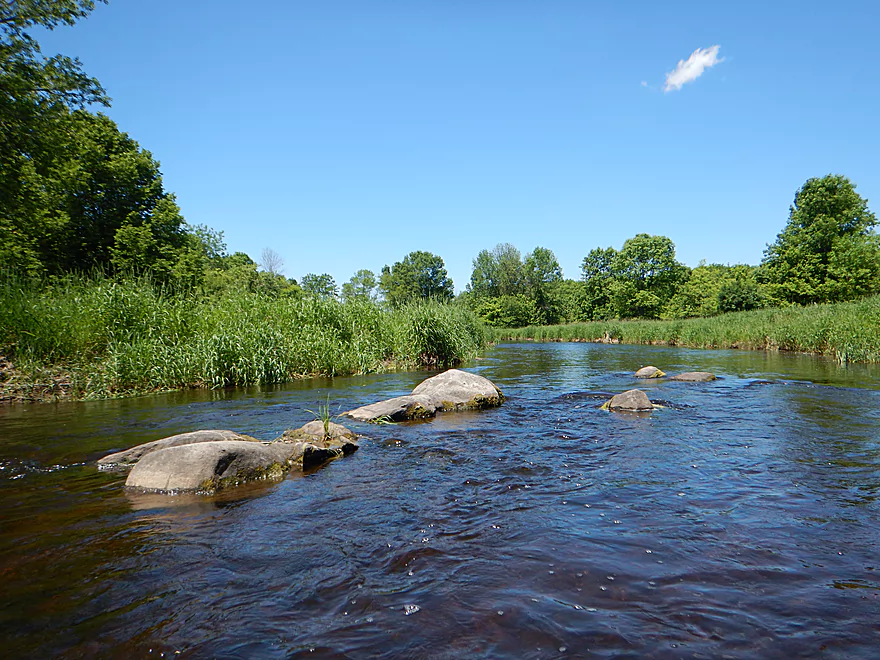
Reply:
x=644, y=83
x=692, y=68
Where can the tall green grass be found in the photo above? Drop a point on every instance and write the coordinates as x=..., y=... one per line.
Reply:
x=105, y=338
x=849, y=332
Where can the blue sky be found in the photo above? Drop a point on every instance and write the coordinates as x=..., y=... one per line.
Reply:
x=345, y=134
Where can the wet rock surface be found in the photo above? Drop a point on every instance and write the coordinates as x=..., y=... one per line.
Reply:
x=452, y=390
x=630, y=401
x=649, y=372
x=694, y=377
x=212, y=466
x=131, y=456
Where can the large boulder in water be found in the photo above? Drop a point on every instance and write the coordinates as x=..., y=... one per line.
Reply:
x=694, y=377
x=460, y=390
x=630, y=401
x=398, y=409
x=212, y=466
x=131, y=456
x=649, y=372
x=451, y=390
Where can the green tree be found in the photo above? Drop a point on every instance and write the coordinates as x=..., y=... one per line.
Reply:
x=37, y=95
x=542, y=275
x=361, y=286
x=597, y=274
x=828, y=251
x=498, y=272
x=645, y=276
x=321, y=286
x=419, y=276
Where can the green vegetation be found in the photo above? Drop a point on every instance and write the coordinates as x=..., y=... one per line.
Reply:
x=828, y=252
x=847, y=331
x=419, y=276
x=101, y=337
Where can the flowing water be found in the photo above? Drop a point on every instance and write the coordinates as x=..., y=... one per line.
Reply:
x=740, y=520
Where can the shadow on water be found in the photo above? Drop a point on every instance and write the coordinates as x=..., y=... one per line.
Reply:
x=738, y=520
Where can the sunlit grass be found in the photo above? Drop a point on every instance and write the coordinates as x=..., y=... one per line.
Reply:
x=107, y=338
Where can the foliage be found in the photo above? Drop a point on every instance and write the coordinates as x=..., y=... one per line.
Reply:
x=828, y=251
x=844, y=331
x=497, y=273
x=362, y=286
x=111, y=337
x=715, y=288
x=321, y=286
x=419, y=276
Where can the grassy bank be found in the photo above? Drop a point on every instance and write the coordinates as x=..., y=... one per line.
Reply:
x=849, y=332
x=100, y=338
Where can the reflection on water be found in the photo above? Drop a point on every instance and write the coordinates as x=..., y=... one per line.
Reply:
x=739, y=520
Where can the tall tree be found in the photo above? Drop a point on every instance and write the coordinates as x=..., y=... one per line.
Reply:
x=271, y=261
x=646, y=274
x=321, y=286
x=542, y=275
x=597, y=275
x=498, y=272
x=828, y=251
x=419, y=276
x=361, y=286
x=37, y=95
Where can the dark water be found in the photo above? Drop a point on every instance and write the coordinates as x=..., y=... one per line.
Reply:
x=739, y=521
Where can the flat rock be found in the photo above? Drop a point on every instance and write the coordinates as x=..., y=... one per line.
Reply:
x=212, y=466
x=630, y=401
x=398, y=409
x=460, y=390
x=694, y=377
x=131, y=456
x=335, y=436
x=649, y=372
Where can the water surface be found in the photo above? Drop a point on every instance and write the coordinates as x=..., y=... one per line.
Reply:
x=740, y=520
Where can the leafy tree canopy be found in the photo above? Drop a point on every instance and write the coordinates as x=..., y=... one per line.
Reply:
x=362, y=286
x=419, y=276
x=828, y=251
x=498, y=272
x=321, y=286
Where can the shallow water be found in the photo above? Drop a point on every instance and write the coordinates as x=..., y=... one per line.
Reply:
x=740, y=520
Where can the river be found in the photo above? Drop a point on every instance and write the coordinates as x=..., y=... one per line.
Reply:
x=740, y=520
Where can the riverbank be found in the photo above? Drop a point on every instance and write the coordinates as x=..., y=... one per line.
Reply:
x=100, y=338
x=848, y=332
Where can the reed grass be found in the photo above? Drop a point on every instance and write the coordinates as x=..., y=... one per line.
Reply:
x=848, y=332
x=98, y=338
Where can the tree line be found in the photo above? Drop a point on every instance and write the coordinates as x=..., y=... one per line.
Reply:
x=79, y=195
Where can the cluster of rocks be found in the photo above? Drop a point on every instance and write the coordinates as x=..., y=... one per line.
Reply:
x=451, y=390
x=214, y=460
x=637, y=400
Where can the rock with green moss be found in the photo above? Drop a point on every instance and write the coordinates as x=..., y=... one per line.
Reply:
x=398, y=409
x=129, y=457
x=333, y=436
x=452, y=390
x=629, y=401
x=213, y=466
x=649, y=372
x=460, y=390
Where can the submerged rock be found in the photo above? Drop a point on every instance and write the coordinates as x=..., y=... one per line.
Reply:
x=451, y=390
x=649, y=372
x=630, y=401
x=212, y=466
x=398, y=409
x=694, y=377
x=131, y=456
